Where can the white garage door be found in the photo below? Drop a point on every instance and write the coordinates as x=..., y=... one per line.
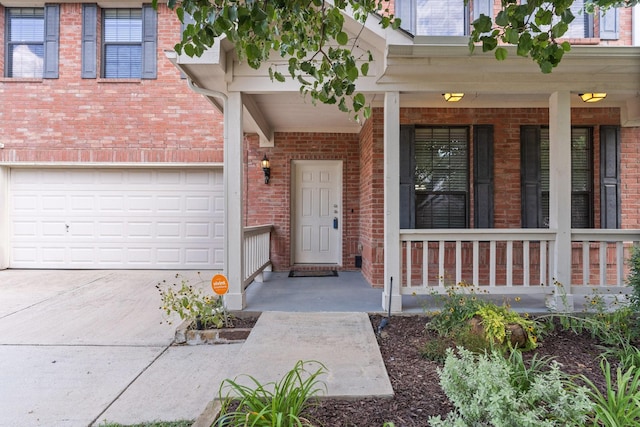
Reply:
x=116, y=218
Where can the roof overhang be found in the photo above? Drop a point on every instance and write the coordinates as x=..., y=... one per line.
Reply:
x=421, y=70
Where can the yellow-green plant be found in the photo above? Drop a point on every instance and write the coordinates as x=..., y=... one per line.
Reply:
x=275, y=404
x=496, y=320
x=461, y=303
x=456, y=307
x=192, y=304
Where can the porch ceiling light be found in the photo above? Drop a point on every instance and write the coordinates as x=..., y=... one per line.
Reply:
x=453, y=97
x=592, y=97
x=266, y=168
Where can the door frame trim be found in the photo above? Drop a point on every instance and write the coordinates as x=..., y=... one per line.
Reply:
x=296, y=163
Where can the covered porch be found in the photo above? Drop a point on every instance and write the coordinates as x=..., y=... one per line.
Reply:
x=406, y=86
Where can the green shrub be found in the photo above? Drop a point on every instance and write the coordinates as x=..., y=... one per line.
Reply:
x=458, y=306
x=191, y=304
x=489, y=390
x=634, y=277
x=461, y=304
x=277, y=404
x=496, y=321
x=620, y=404
x=627, y=354
x=435, y=349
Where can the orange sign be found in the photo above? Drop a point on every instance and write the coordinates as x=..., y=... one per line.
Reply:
x=220, y=284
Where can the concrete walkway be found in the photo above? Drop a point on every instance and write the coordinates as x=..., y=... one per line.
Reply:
x=80, y=348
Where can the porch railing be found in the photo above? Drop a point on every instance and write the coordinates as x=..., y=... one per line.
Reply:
x=257, y=249
x=504, y=261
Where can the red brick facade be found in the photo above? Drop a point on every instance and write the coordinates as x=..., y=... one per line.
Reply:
x=70, y=119
x=364, y=176
x=270, y=204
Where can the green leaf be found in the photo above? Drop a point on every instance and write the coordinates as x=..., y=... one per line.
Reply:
x=342, y=38
x=511, y=36
x=488, y=43
x=482, y=24
x=358, y=101
x=546, y=67
x=352, y=72
x=278, y=76
x=364, y=69
x=501, y=54
x=502, y=19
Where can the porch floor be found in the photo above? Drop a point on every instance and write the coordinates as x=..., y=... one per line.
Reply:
x=350, y=292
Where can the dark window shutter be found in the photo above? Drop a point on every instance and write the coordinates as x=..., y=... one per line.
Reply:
x=530, y=176
x=610, y=24
x=407, y=167
x=149, y=42
x=51, y=41
x=610, y=215
x=483, y=176
x=89, y=41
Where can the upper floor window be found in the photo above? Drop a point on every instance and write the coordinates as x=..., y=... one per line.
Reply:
x=129, y=43
x=440, y=17
x=453, y=18
x=122, y=43
x=31, y=42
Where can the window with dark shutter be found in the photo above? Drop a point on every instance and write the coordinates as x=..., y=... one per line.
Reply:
x=441, y=179
x=122, y=47
x=535, y=177
x=25, y=42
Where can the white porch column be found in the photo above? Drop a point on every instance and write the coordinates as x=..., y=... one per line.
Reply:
x=392, y=203
x=233, y=202
x=560, y=196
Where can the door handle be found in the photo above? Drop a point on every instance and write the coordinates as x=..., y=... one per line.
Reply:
x=335, y=223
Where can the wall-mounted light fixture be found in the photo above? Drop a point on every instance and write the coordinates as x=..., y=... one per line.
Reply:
x=266, y=168
x=592, y=97
x=453, y=97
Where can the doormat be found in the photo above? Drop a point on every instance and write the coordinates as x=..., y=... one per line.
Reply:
x=317, y=273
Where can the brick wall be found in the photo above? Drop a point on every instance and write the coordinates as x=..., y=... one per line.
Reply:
x=507, y=204
x=70, y=119
x=372, y=198
x=270, y=204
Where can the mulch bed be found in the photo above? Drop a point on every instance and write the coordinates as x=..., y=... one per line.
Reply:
x=415, y=381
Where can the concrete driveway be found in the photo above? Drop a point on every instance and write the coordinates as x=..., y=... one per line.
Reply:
x=81, y=347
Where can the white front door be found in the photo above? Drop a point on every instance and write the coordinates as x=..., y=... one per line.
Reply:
x=317, y=211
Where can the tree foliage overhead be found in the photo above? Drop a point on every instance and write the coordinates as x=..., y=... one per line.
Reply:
x=308, y=34
x=535, y=27
x=326, y=61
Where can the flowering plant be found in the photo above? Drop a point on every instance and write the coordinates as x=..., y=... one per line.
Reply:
x=191, y=304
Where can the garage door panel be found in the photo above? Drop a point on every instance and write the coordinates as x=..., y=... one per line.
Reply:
x=116, y=218
x=54, y=203
x=55, y=229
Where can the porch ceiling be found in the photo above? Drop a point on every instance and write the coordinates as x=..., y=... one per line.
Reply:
x=421, y=73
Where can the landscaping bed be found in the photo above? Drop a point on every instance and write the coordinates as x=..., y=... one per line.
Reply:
x=415, y=380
